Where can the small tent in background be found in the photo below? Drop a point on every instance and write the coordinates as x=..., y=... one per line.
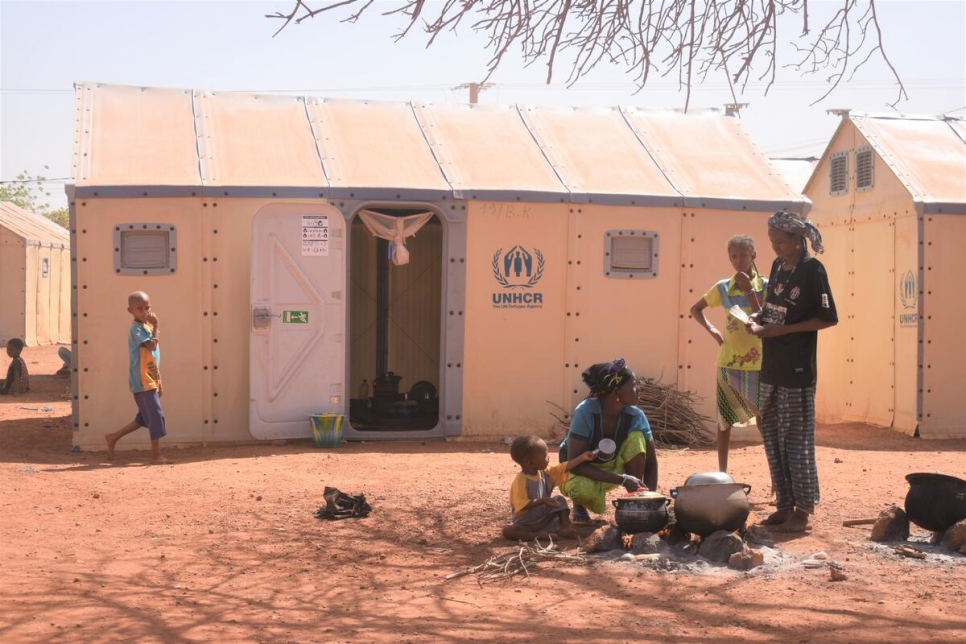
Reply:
x=889, y=196
x=34, y=278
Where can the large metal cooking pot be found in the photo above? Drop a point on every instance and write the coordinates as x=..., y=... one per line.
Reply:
x=644, y=512
x=703, y=509
x=935, y=501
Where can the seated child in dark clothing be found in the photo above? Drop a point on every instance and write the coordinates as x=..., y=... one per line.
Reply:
x=17, y=380
x=535, y=512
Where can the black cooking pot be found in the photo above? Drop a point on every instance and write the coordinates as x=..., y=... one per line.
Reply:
x=703, y=509
x=935, y=501
x=642, y=513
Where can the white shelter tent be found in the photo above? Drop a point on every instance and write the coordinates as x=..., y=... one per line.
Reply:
x=35, y=285
x=559, y=237
x=889, y=195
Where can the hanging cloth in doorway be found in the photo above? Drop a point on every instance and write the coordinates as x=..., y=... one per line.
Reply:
x=396, y=230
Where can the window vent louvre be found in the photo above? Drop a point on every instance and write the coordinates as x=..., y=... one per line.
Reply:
x=839, y=174
x=864, y=169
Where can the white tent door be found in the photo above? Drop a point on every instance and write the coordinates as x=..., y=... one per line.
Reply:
x=297, y=346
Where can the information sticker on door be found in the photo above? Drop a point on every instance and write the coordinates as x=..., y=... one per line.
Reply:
x=295, y=317
x=315, y=235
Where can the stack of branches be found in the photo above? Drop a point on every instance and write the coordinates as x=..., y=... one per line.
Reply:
x=672, y=415
x=503, y=567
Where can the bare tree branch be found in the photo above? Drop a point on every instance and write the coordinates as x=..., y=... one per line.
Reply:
x=694, y=38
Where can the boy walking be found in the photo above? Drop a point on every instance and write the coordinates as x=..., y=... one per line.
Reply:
x=144, y=377
x=535, y=512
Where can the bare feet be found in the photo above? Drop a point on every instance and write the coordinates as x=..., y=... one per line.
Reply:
x=111, y=442
x=797, y=523
x=778, y=518
x=160, y=460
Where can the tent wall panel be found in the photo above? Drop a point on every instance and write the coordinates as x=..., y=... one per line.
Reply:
x=514, y=364
x=12, y=288
x=103, y=320
x=906, y=320
x=944, y=353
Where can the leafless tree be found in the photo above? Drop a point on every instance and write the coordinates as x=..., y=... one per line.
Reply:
x=689, y=38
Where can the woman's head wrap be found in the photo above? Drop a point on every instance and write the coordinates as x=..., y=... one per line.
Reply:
x=786, y=222
x=604, y=377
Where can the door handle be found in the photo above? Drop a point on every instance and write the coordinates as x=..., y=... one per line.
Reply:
x=261, y=317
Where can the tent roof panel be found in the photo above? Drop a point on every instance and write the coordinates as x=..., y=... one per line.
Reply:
x=486, y=148
x=31, y=227
x=277, y=147
x=927, y=153
x=135, y=136
x=581, y=141
x=706, y=154
x=374, y=144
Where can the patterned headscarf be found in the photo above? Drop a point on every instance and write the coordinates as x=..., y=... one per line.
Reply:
x=786, y=222
x=604, y=377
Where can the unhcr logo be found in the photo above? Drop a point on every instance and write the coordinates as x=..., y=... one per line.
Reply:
x=518, y=269
x=909, y=296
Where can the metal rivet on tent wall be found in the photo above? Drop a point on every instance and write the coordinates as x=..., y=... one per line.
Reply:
x=205, y=314
x=215, y=340
x=215, y=394
x=204, y=259
x=204, y=204
x=216, y=315
x=215, y=285
x=575, y=391
x=206, y=421
x=214, y=259
x=85, y=286
x=448, y=417
x=576, y=339
x=205, y=368
x=83, y=203
x=577, y=314
x=216, y=421
x=567, y=365
x=449, y=364
x=85, y=342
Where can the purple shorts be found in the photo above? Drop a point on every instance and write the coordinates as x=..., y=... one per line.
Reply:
x=150, y=414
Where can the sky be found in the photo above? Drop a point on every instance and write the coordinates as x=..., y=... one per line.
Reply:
x=228, y=45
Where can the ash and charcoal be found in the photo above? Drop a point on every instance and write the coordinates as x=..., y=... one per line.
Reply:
x=674, y=551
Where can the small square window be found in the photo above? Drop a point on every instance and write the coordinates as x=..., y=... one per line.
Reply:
x=145, y=249
x=630, y=254
x=839, y=174
x=864, y=169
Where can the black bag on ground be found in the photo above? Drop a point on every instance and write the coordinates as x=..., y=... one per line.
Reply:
x=339, y=505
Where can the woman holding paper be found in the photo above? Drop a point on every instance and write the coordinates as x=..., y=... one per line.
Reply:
x=739, y=355
x=797, y=306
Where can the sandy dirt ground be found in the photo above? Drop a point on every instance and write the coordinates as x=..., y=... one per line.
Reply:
x=222, y=545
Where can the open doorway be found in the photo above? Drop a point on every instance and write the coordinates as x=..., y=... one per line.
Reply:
x=395, y=328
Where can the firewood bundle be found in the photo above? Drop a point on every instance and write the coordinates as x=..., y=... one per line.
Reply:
x=672, y=414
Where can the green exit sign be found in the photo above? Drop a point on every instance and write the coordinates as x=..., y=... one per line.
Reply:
x=295, y=317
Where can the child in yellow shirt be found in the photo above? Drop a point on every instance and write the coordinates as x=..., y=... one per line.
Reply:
x=535, y=512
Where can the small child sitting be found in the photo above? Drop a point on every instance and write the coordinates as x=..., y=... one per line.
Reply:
x=17, y=380
x=535, y=512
